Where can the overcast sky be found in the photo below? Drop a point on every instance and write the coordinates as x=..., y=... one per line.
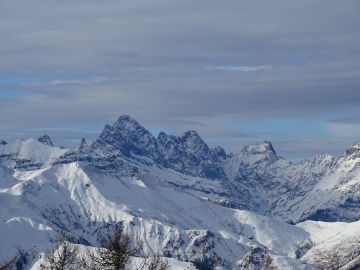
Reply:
x=237, y=72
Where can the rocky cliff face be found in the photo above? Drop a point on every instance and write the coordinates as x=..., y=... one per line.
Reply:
x=324, y=189
x=189, y=154
x=45, y=139
x=131, y=139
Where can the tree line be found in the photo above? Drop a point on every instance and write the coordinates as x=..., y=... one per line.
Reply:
x=115, y=252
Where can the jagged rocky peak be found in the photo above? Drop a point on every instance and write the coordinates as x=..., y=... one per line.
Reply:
x=353, y=151
x=45, y=139
x=189, y=154
x=190, y=135
x=171, y=151
x=130, y=127
x=195, y=144
x=260, y=148
x=83, y=146
x=189, y=143
x=163, y=137
x=167, y=142
x=2, y=142
x=304, y=162
x=323, y=160
x=219, y=152
x=129, y=137
x=125, y=122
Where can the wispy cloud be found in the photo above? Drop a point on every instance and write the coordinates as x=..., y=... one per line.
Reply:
x=240, y=68
x=345, y=130
x=62, y=82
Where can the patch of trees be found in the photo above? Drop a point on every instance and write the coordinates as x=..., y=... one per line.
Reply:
x=64, y=255
x=9, y=264
x=115, y=252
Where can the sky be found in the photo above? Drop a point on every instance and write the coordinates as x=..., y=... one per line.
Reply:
x=237, y=72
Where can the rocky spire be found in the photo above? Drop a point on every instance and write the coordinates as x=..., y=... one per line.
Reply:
x=260, y=148
x=45, y=139
x=130, y=137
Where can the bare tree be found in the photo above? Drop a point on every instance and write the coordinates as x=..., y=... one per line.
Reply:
x=9, y=264
x=115, y=252
x=64, y=256
x=156, y=262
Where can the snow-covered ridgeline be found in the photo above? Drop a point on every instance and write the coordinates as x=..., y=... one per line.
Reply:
x=171, y=192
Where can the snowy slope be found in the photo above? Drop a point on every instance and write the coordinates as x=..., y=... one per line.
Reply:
x=29, y=154
x=326, y=189
x=86, y=202
x=336, y=245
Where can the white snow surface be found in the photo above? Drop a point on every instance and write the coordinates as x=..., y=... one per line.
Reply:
x=335, y=244
x=41, y=202
x=31, y=150
x=172, y=213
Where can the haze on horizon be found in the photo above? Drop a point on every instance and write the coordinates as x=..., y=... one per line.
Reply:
x=237, y=72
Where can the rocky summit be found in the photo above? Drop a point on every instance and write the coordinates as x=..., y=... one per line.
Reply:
x=45, y=139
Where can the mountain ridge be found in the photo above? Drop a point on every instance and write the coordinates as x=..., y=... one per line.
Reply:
x=248, y=179
x=180, y=196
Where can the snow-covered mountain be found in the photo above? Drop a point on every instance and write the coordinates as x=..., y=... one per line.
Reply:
x=182, y=199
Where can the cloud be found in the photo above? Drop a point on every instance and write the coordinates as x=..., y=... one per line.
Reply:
x=353, y=118
x=60, y=82
x=347, y=130
x=240, y=68
x=179, y=65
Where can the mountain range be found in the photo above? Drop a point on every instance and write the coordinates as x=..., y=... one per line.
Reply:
x=199, y=206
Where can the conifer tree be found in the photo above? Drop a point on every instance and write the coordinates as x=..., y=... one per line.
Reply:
x=64, y=256
x=115, y=251
x=9, y=264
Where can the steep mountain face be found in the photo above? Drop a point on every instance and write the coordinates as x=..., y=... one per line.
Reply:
x=190, y=155
x=259, y=174
x=187, y=154
x=128, y=137
x=180, y=197
x=336, y=245
x=325, y=189
x=45, y=139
